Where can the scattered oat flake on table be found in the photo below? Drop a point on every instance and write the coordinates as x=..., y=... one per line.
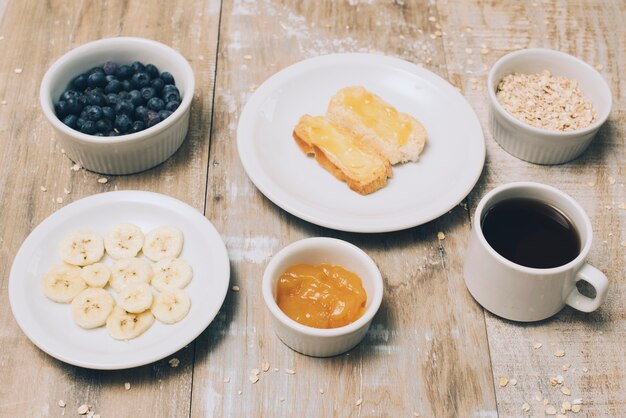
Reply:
x=441, y=236
x=18, y=70
x=235, y=288
x=61, y=403
x=611, y=180
x=66, y=191
x=576, y=408
x=103, y=180
x=585, y=369
x=226, y=379
x=289, y=371
x=254, y=378
x=565, y=391
x=76, y=167
x=59, y=200
x=566, y=406
x=415, y=414
x=282, y=399
x=322, y=390
x=265, y=366
x=43, y=189
x=538, y=397
x=546, y=401
x=537, y=346
x=432, y=18
x=526, y=407
x=513, y=382
x=559, y=353
x=503, y=381
x=239, y=392
x=599, y=67
x=247, y=57
x=359, y=402
x=4, y=102
x=82, y=410
x=566, y=366
x=127, y=386
x=174, y=362
x=550, y=410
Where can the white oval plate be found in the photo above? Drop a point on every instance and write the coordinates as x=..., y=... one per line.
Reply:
x=419, y=192
x=49, y=325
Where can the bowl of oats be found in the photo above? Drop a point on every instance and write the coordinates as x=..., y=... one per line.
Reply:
x=546, y=106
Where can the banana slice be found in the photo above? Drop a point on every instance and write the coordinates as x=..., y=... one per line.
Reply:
x=81, y=248
x=96, y=275
x=92, y=307
x=62, y=283
x=123, y=325
x=163, y=242
x=171, y=306
x=171, y=272
x=129, y=271
x=123, y=241
x=135, y=298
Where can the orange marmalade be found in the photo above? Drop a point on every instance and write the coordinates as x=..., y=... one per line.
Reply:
x=322, y=296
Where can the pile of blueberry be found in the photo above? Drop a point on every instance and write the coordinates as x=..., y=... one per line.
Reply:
x=114, y=99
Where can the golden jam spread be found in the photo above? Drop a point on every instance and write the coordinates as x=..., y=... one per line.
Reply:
x=322, y=296
x=360, y=162
x=383, y=118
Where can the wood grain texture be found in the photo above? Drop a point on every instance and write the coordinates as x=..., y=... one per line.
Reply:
x=431, y=349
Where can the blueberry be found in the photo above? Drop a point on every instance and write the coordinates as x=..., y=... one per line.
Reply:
x=123, y=123
x=124, y=95
x=95, y=70
x=157, y=84
x=135, y=97
x=70, y=94
x=108, y=112
x=114, y=86
x=156, y=104
x=137, y=126
x=140, y=80
x=112, y=133
x=80, y=82
x=112, y=99
x=110, y=78
x=152, y=118
x=152, y=70
x=79, y=123
x=82, y=100
x=75, y=106
x=124, y=72
x=61, y=109
x=94, y=113
x=137, y=66
x=141, y=112
x=104, y=125
x=167, y=77
x=109, y=68
x=163, y=114
x=70, y=120
x=96, y=98
x=170, y=93
x=96, y=80
x=172, y=105
x=89, y=127
x=127, y=85
x=98, y=90
x=124, y=107
x=148, y=93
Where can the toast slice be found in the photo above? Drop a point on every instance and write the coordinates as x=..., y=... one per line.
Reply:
x=335, y=149
x=395, y=135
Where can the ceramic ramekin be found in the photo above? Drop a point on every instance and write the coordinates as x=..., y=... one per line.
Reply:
x=536, y=145
x=124, y=154
x=315, y=341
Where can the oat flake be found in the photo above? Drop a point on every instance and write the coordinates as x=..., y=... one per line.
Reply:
x=545, y=101
x=566, y=391
x=537, y=346
x=526, y=407
x=576, y=408
x=550, y=410
x=127, y=386
x=174, y=362
x=82, y=410
x=61, y=403
x=289, y=371
x=559, y=353
x=503, y=381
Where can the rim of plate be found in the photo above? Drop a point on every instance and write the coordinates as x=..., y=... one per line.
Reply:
x=33, y=239
x=265, y=186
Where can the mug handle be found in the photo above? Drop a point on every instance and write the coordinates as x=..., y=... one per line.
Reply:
x=600, y=283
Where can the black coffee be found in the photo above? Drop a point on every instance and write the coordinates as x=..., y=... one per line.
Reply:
x=531, y=233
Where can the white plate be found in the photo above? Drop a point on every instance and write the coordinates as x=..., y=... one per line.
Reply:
x=49, y=325
x=419, y=192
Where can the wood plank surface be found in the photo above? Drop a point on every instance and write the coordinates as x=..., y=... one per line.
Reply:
x=431, y=350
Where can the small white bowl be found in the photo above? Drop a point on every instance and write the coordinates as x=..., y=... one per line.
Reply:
x=315, y=341
x=536, y=145
x=130, y=153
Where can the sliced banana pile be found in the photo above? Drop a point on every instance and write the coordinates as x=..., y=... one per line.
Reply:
x=83, y=279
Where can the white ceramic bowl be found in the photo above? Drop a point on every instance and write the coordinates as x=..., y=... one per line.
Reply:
x=124, y=154
x=315, y=341
x=538, y=145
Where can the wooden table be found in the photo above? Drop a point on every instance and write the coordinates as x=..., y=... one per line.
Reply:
x=431, y=350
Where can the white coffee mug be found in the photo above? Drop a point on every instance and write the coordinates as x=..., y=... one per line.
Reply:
x=521, y=293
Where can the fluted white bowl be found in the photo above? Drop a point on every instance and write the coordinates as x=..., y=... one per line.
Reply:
x=319, y=342
x=123, y=154
x=542, y=146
